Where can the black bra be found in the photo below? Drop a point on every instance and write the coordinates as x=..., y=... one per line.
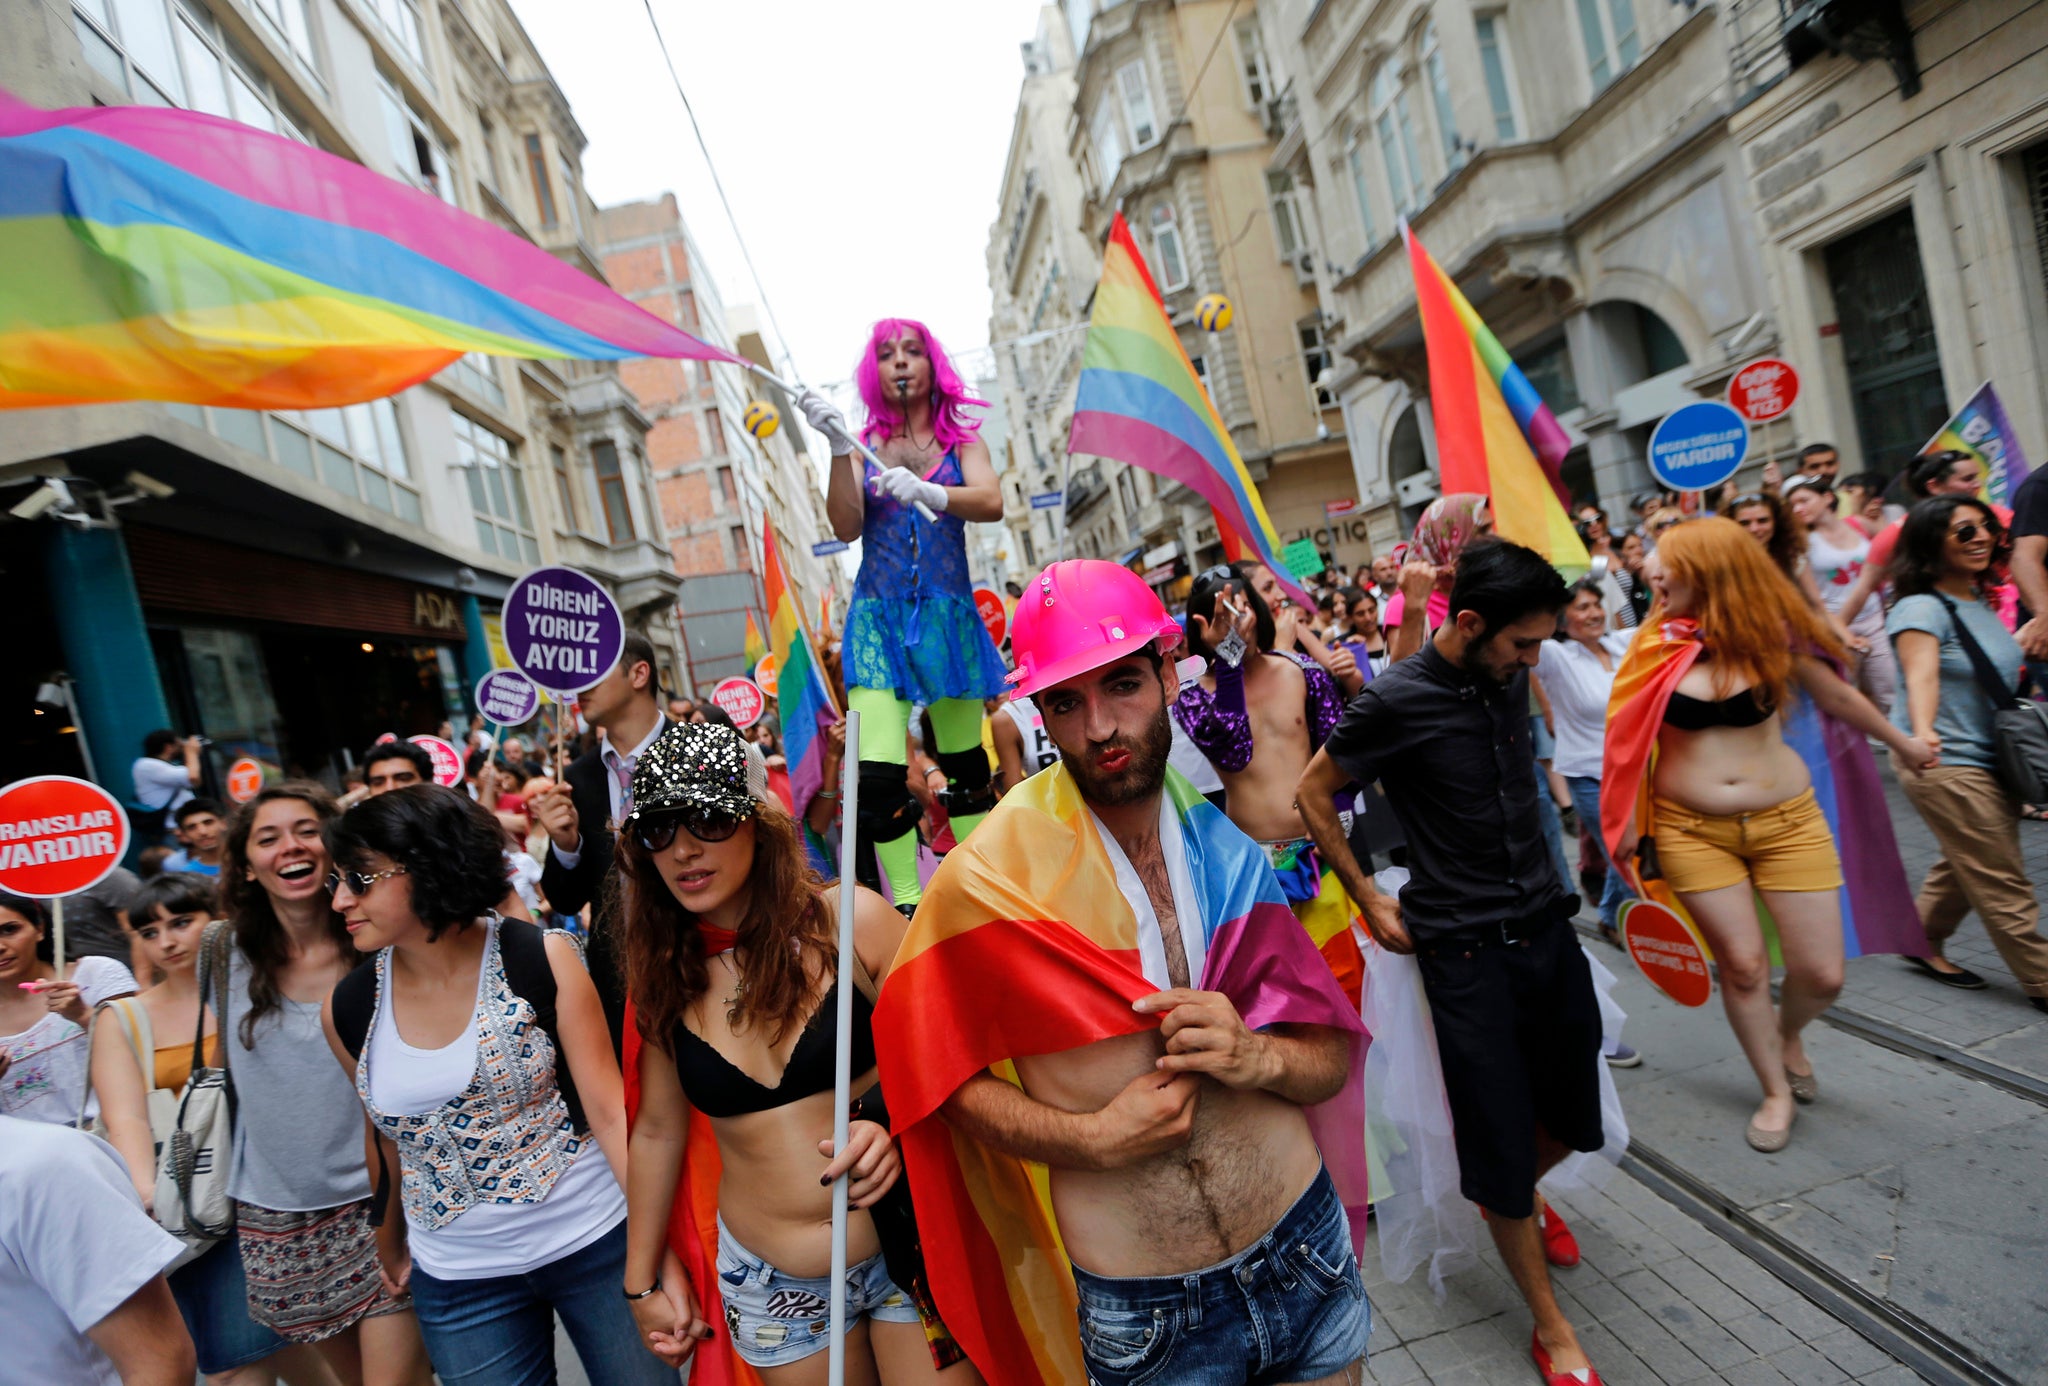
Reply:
x=1749, y=708
x=718, y=1087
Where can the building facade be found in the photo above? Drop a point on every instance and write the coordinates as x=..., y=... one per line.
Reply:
x=293, y=585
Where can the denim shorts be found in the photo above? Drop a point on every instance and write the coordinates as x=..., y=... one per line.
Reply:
x=213, y=1299
x=1289, y=1307
x=777, y=1319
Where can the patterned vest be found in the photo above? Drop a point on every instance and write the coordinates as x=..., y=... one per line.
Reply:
x=506, y=1137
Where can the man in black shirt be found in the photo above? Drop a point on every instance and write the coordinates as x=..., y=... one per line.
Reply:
x=1446, y=733
x=2030, y=566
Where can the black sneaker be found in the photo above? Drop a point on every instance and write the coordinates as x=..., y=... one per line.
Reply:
x=1962, y=979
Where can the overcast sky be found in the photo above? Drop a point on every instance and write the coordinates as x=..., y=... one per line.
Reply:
x=861, y=147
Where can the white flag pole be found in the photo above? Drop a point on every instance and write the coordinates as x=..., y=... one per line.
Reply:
x=862, y=448
x=842, y=1080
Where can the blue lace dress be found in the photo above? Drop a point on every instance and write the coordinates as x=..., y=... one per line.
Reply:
x=912, y=628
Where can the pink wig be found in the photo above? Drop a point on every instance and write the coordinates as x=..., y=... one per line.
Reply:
x=950, y=424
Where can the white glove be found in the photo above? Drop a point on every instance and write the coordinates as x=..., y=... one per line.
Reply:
x=826, y=418
x=906, y=487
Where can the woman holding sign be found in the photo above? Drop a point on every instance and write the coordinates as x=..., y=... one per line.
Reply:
x=1732, y=691
x=44, y=1017
x=913, y=634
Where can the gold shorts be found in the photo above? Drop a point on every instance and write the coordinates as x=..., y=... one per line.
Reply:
x=1785, y=847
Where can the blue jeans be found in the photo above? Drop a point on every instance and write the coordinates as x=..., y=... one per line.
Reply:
x=1586, y=799
x=1546, y=807
x=500, y=1331
x=1289, y=1307
x=776, y=1319
x=213, y=1299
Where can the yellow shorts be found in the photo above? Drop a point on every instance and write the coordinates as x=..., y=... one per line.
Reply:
x=1785, y=847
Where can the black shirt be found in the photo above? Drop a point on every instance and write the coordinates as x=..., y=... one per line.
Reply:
x=1452, y=752
x=2030, y=511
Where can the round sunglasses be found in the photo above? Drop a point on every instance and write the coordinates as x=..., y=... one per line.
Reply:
x=655, y=831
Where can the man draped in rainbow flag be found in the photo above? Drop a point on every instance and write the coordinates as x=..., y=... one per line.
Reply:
x=1111, y=1053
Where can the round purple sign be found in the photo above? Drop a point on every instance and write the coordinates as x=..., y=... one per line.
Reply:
x=506, y=697
x=564, y=630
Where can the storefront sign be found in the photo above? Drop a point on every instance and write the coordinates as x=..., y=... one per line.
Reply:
x=742, y=700
x=825, y=548
x=1667, y=951
x=436, y=611
x=447, y=760
x=1162, y=554
x=1155, y=576
x=58, y=836
x=994, y=618
x=1699, y=446
x=563, y=629
x=1763, y=390
x=506, y=697
x=245, y=780
x=768, y=675
x=1339, y=507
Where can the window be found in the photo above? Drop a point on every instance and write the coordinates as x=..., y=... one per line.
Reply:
x=1173, y=270
x=1137, y=95
x=1287, y=223
x=611, y=491
x=175, y=55
x=714, y=431
x=1315, y=359
x=1493, y=59
x=477, y=375
x=1251, y=60
x=725, y=486
x=1354, y=158
x=686, y=310
x=1109, y=149
x=1609, y=28
x=357, y=450
x=497, y=493
x=565, y=486
x=1549, y=369
x=742, y=556
x=1079, y=13
x=1396, y=129
x=1440, y=97
x=401, y=20
x=487, y=153
x=416, y=149
x=543, y=193
x=572, y=194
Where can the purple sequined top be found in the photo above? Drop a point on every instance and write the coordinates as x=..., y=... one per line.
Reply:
x=1221, y=727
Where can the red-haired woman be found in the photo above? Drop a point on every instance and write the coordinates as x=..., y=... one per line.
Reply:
x=1712, y=686
x=912, y=632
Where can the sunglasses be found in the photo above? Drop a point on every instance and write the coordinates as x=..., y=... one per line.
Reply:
x=1967, y=532
x=359, y=882
x=1661, y=526
x=656, y=831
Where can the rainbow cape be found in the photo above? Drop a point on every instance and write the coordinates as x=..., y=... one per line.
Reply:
x=805, y=703
x=1025, y=945
x=173, y=255
x=1494, y=434
x=1140, y=402
x=1877, y=903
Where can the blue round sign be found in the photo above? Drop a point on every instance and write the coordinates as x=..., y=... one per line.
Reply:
x=563, y=629
x=1698, y=446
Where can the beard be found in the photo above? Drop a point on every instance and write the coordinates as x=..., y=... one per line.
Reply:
x=1139, y=780
x=1476, y=663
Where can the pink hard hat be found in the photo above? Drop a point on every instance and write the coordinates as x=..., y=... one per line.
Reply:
x=1080, y=615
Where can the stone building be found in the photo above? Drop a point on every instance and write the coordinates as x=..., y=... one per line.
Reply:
x=292, y=585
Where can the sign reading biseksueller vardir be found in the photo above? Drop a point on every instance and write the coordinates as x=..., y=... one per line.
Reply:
x=563, y=629
x=1699, y=446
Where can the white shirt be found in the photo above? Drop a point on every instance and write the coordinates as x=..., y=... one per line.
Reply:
x=614, y=795
x=74, y=1245
x=160, y=784
x=1151, y=940
x=46, y=1075
x=1039, y=750
x=1578, y=689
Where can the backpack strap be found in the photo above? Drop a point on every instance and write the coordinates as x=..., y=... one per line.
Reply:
x=354, y=1001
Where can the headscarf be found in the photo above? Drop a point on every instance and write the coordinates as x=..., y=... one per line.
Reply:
x=1446, y=527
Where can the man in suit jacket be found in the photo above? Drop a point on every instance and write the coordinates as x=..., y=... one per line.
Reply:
x=581, y=817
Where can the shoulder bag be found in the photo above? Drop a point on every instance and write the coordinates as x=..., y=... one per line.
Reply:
x=2019, y=725
x=192, y=1200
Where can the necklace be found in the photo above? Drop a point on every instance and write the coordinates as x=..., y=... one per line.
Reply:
x=732, y=1002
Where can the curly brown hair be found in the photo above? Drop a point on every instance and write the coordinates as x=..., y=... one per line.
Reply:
x=787, y=940
x=247, y=905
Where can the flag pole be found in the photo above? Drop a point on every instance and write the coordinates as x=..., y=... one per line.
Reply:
x=842, y=1072
x=859, y=446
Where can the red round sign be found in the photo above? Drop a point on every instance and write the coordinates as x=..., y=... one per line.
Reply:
x=58, y=836
x=447, y=760
x=245, y=780
x=994, y=618
x=1668, y=951
x=742, y=700
x=1763, y=390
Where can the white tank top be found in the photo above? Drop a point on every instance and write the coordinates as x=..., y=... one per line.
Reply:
x=1039, y=750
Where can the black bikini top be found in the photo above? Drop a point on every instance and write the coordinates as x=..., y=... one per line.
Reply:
x=1749, y=708
x=718, y=1087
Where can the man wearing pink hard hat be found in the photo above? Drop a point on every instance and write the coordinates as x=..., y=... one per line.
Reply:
x=1106, y=980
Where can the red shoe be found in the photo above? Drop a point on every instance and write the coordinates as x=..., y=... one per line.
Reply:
x=1560, y=1247
x=1585, y=1376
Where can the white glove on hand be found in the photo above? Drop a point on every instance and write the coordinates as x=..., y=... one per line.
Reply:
x=906, y=487
x=826, y=418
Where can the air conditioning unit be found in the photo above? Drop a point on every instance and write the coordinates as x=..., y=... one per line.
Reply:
x=1419, y=489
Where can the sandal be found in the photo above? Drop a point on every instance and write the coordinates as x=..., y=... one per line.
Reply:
x=2034, y=813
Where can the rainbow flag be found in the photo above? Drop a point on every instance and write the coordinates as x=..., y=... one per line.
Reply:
x=1981, y=429
x=168, y=254
x=1140, y=403
x=752, y=646
x=804, y=699
x=1026, y=944
x=1494, y=434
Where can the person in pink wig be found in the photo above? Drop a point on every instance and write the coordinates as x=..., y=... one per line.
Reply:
x=912, y=635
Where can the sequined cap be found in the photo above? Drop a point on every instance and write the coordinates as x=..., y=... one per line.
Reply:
x=697, y=765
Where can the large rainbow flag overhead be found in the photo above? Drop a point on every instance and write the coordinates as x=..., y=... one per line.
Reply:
x=1494, y=434
x=805, y=701
x=1140, y=402
x=172, y=255
x=1026, y=944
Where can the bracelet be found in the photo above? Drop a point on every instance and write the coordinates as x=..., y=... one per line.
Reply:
x=650, y=1290
x=826, y=794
